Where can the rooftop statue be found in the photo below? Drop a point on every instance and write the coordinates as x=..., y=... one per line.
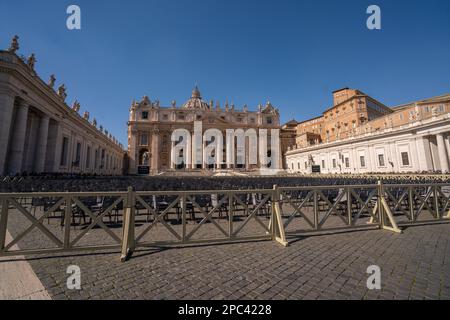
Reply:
x=86, y=115
x=31, y=61
x=14, y=44
x=62, y=92
x=51, y=81
x=76, y=106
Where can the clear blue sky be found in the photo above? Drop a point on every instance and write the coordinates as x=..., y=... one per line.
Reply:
x=293, y=53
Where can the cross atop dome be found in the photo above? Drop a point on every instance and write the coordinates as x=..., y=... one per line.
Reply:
x=196, y=93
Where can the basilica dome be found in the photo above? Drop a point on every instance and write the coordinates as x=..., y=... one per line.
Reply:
x=196, y=102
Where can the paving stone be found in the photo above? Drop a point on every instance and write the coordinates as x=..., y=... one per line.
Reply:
x=414, y=265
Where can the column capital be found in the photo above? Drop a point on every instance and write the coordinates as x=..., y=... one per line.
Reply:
x=22, y=104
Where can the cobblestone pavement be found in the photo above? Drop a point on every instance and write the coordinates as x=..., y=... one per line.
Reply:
x=415, y=265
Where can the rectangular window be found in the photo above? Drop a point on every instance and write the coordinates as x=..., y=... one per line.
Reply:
x=165, y=117
x=269, y=120
x=405, y=158
x=347, y=162
x=65, y=148
x=381, y=160
x=306, y=165
x=363, y=161
x=298, y=165
x=144, y=139
x=323, y=164
x=334, y=163
x=144, y=115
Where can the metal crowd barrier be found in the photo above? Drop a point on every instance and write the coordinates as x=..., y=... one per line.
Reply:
x=213, y=216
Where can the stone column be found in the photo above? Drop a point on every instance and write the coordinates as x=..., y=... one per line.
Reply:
x=133, y=159
x=18, y=138
x=424, y=154
x=41, y=148
x=6, y=114
x=247, y=154
x=155, y=152
x=230, y=150
x=414, y=155
x=29, y=150
x=58, y=147
x=393, y=150
x=442, y=152
x=172, y=156
x=447, y=144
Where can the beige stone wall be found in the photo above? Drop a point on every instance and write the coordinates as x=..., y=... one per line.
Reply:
x=355, y=113
x=41, y=133
x=157, y=123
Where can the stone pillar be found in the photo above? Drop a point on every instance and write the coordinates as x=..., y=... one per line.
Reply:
x=18, y=138
x=442, y=152
x=205, y=161
x=6, y=114
x=247, y=153
x=424, y=154
x=29, y=150
x=414, y=156
x=133, y=156
x=393, y=155
x=197, y=145
x=172, y=156
x=230, y=148
x=41, y=148
x=58, y=147
x=155, y=152
x=447, y=144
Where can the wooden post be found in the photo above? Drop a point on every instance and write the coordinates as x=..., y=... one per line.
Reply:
x=128, y=240
x=276, y=225
x=3, y=223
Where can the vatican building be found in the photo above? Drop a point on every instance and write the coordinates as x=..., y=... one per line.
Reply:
x=359, y=134
x=216, y=138
x=40, y=132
